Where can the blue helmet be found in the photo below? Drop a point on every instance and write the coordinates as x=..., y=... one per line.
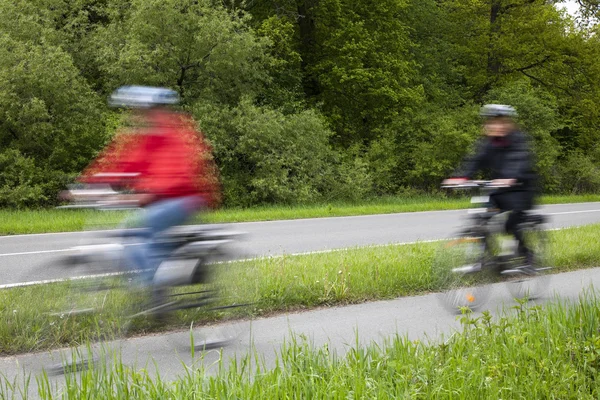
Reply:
x=142, y=97
x=497, y=110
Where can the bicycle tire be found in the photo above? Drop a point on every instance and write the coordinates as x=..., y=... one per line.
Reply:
x=533, y=286
x=459, y=289
x=104, y=287
x=223, y=315
x=93, y=297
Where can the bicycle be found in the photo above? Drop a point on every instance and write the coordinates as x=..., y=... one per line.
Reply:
x=481, y=253
x=99, y=288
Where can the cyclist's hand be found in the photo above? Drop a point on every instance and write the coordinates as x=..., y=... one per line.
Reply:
x=503, y=182
x=453, y=181
x=145, y=198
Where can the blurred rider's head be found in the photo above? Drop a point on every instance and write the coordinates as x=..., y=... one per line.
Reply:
x=499, y=119
x=144, y=101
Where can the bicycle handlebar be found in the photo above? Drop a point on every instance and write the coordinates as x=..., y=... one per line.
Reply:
x=116, y=174
x=477, y=184
x=99, y=197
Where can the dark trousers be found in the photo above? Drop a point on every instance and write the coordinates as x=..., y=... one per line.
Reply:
x=517, y=203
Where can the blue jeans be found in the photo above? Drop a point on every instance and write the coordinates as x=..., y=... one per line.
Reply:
x=154, y=220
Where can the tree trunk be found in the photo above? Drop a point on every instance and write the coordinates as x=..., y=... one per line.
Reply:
x=493, y=61
x=307, y=28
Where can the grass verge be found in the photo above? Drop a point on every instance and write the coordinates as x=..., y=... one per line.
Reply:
x=535, y=353
x=272, y=285
x=54, y=220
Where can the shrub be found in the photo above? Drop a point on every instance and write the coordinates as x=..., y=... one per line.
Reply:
x=266, y=156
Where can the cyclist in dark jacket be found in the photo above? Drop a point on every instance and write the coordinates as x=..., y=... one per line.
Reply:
x=506, y=154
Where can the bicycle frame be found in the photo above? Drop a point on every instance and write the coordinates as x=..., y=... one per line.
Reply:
x=485, y=221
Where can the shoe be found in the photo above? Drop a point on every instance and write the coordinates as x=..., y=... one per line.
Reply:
x=523, y=270
x=467, y=269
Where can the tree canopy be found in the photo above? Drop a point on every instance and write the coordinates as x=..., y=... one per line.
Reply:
x=303, y=100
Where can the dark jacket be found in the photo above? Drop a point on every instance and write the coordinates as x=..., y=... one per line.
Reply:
x=508, y=157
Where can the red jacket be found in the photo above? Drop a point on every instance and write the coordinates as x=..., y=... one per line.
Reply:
x=168, y=160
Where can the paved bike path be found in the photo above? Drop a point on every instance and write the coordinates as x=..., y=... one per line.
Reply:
x=341, y=328
x=21, y=256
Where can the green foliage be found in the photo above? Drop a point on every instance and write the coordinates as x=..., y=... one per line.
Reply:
x=538, y=116
x=51, y=123
x=443, y=138
x=419, y=153
x=197, y=47
x=364, y=71
x=348, y=99
x=20, y=183
x=25, y=184
x=47, y=110
x=579, y=173
x=268, y=156
x=285, y=63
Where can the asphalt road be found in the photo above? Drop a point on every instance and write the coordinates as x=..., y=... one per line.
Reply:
x=23, y=257
x=340, y=327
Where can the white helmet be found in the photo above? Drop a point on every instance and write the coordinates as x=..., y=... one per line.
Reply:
x=497, y=110
x=142, y=97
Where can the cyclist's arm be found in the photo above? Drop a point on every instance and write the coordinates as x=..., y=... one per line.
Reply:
x=118, y=164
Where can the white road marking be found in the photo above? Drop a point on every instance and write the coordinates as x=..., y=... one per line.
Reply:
x=572, y=212
x=26, y=253
x=47, y=281
x=254, y=258
x=63, y=250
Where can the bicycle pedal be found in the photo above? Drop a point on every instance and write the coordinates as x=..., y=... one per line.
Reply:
x=162, y=308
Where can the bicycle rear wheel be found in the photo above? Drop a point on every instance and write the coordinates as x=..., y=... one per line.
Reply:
x=531, y=278
x=459, y=271
x=232, y=306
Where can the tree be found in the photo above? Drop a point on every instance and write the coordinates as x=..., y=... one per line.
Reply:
x=267, y=156
x=498, y=41
x=198, y=47
x=365, y=71
x=49, y=117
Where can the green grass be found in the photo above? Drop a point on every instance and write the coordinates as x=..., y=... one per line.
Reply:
x=550, y=352
x=55, y=220
x=273, y=285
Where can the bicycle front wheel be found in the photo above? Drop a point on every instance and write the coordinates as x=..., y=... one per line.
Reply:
x=459, y=271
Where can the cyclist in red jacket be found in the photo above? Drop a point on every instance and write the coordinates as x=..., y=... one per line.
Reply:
x=165, y=162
